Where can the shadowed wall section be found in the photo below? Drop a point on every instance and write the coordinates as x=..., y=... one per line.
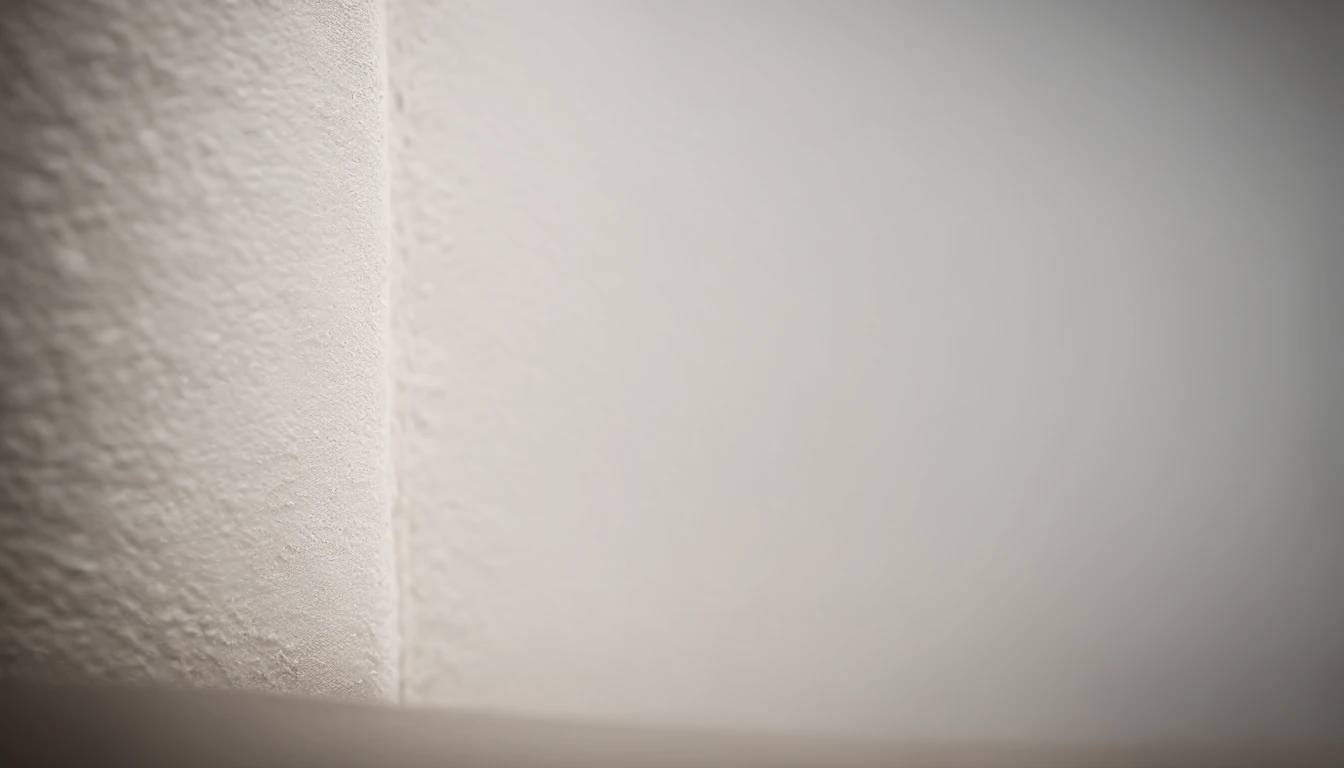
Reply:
x=943, y=370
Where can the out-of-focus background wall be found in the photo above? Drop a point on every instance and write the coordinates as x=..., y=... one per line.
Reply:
x=932, y=369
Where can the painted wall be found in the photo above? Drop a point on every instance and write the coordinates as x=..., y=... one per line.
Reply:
x=193, y=389
x=921, y=369
x=929, y=370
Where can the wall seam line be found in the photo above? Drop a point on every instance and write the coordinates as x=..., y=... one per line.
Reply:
x=391, y=358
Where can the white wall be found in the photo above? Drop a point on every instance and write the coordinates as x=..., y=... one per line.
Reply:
x=193, y=370
x=918, y=369
x=903, y=368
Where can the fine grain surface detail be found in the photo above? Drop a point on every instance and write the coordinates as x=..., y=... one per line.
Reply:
x=192, y=346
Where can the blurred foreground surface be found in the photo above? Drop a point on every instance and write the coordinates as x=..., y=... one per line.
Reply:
x=121, y=727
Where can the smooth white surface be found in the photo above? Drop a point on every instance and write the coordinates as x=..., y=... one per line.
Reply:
x=903, y=368
x=193, y=244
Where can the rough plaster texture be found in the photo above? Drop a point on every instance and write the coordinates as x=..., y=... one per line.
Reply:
x=923, y=369
x=193, y=232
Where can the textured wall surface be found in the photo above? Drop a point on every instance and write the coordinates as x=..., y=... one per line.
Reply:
x=193, y=231
x=899, y=368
